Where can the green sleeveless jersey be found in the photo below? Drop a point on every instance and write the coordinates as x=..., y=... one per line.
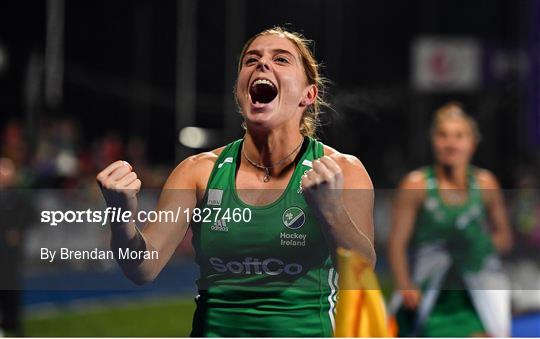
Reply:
x=264, y=270
x=461, y=232
x=461, y=229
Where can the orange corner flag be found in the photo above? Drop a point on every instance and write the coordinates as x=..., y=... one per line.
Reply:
x=361, y=311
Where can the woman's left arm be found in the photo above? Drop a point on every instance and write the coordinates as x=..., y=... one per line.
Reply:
x=496, y=208
x=340, y=194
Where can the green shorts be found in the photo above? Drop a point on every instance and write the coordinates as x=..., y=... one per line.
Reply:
x=452, y=316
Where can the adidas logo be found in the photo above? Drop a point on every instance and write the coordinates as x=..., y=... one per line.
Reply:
x=220, y=226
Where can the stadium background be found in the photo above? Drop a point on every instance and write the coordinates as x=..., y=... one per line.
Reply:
x=86, y=83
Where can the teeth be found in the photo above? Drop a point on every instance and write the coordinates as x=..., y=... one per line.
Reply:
x=262, y=81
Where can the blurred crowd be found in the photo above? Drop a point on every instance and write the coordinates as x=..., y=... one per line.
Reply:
x=58, y=157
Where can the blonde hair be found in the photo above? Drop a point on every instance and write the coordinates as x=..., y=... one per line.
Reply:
x=452, y=110
x=310, y=117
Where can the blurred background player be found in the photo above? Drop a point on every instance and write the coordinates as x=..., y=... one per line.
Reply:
x=454, y=287
x=16, y=213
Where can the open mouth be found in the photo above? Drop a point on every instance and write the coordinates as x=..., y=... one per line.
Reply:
x=262, y=91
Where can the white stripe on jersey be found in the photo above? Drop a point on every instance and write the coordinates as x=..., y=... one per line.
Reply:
x=227, y=160
x=332, y=282
x=307, y=163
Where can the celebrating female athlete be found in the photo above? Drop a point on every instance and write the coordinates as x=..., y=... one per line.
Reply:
x=267, y=210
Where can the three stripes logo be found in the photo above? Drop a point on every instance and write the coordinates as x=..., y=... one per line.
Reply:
x=220, y=226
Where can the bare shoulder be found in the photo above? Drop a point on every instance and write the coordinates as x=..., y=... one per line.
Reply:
x=489, y=186
x=414, y=180
x=486, y=179
x=412, y=188
x=354, y=173
x=194, y=171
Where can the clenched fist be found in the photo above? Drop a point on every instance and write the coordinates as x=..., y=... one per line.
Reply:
x=323, y=185
x=119, y=185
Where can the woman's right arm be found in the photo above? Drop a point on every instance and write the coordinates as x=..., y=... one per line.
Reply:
x=409, y=197
x=119, y=185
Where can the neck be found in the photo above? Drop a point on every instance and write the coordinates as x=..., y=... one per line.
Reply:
x=270, y=148
x=455, y=175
